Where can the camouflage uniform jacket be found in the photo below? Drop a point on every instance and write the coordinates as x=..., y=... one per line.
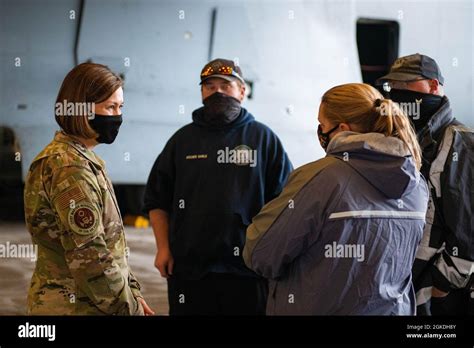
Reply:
x=72, y=215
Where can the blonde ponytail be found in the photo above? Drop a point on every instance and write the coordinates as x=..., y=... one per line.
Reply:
x=391, y=121
x=364, y=108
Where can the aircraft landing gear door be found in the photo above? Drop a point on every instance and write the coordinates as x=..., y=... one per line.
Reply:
x=377, y=42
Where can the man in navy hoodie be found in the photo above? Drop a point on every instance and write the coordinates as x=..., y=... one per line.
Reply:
x=212, y=177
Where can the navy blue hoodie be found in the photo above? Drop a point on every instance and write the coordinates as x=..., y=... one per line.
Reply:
x=212, y=180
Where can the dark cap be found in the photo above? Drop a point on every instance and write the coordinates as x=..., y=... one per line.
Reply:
x=223, y=68
x=411, y=68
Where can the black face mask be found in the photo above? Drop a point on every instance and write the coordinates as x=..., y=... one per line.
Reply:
x=428, y=105
x=220, y=109
x=107, y=127
x=324, y=137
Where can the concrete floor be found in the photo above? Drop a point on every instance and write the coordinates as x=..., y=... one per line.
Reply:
x=15, y=273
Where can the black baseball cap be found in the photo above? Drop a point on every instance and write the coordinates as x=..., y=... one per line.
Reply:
x=411, y=68
x=223, y=68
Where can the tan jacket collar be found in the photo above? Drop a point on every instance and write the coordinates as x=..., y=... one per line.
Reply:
x=62, y=137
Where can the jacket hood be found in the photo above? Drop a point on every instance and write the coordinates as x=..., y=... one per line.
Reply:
x=244, y=118
x=429, y=136
x=439, y=120
x=385, y=162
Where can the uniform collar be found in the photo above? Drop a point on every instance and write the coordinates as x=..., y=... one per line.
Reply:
x=62, y=137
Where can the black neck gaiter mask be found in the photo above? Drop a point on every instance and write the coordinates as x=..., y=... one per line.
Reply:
x=419, y=115
x=220, y=109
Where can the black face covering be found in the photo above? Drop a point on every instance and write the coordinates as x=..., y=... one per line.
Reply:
x=107, y=127
x=220, y=109
x=428, y=103
x=324, y=137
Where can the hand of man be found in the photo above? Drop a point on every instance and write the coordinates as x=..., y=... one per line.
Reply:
x=164, y=262
x=435, y=292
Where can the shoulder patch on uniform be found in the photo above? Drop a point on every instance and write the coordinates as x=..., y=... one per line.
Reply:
x=73, y=195
x=83, y=219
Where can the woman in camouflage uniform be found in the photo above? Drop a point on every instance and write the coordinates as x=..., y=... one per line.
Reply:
x=71, y=210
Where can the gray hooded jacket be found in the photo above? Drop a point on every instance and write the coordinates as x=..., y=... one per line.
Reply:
x=341, y=238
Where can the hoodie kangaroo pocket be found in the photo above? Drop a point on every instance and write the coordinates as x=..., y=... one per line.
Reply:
x=207, y=238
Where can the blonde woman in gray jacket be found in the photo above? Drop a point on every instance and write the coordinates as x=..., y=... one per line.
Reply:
x=342, y=236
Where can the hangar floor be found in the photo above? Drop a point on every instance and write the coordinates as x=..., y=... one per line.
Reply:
x=15, y=273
